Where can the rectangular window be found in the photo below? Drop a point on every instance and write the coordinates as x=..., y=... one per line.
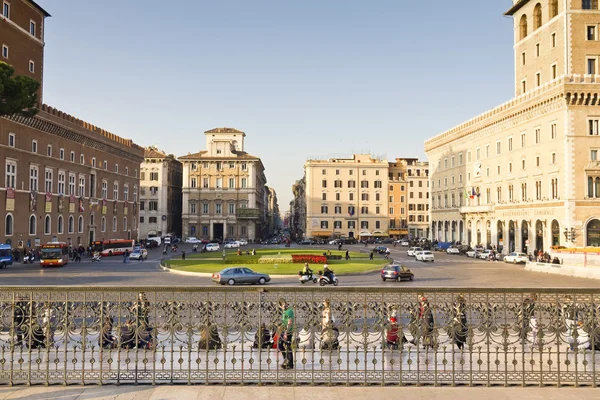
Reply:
x=498, y=147
x=553, y=69
x=337, y=224
x=553, y=158
x=537, y=49
x=125, y=192
x=523, y=86
x=34, y=146
x=72, y=184
x=509, y=167
x=11, y=174
x=116, y=191
x=351, y=184
x=33, y=178
x=81, y=186
x=152, y=220
x=4, y=51
x=553, y=37
x=523, y=59
x=205, y=183
x=538, y=79
x=231, y=183
x=6, y=10
x=218, y=208
x=11, y=140
x=72, y=156
x=337, y=196
x=553, y=131
x=231, y=209
x=324, y=196
x=32, y=28
x=154, y=176
x=351, y=196
x=244, y=182
x=324, y=224
x=593, y=126
x=153, y=205
x=117, y=168
x=594, y=155
x=82, y=159
x=105, y=191
x=219, y=183
x=591, y=32
x=589, y=4
x=537, y=135
x=591, y=65
x=477, y=154
x=324, y=183
x=205, y=208
x=510, y=144
x=192, y=208
x=460, y=159
x=31, y=66
x=523, y=142
x=61, y=154
x=537, y=161
x=324, y=210
x=48, y=180
x=193, y=183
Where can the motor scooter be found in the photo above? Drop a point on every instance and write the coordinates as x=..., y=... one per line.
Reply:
x=28, y=258
x=307, y=277
x=324, y=280
x=96, y=258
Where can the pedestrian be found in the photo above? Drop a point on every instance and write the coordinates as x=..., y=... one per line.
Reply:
x=347, y=255
x=287, y=333
x=224, y=254
x=371, y=255
x=183, y=254
x=125, y=255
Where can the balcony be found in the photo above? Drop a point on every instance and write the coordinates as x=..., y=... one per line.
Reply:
x=486, y=208
x=248, y=213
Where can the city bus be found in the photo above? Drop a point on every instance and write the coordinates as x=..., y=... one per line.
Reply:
x=6, y=255
x=54, y=254
x=113, y=247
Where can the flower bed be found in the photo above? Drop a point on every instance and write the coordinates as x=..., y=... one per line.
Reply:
x=309, y=258
x=276, y=259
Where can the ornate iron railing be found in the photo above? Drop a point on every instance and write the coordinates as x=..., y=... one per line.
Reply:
x=224, y=335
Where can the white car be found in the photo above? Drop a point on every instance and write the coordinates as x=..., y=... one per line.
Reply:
x=484, y=255
x=404, y=243
x=516, y=258
x=213, y=247
x=424, y=255
x=193, y=240
x=243, y=242
x=452, y=250
x=232, y=245
x=137, y=254
x=413, y=250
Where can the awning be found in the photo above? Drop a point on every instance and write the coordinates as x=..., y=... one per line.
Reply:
x=380, y=234
x=321, y=233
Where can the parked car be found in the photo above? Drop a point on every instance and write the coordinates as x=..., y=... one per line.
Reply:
x=231, y=245
x=136, y=254
x=404, y=243
x=193, y=240
x=334, y=241
x=396, y=273
x=387, y=241
x=452, y=250
x=472, y=253
x=212, y=247
x=516, y=258
x=380, y=249
x=484, y=255
x=306, y=242
x=424, y=255
x=411, y=252
x=243, y=242
x=240, y=275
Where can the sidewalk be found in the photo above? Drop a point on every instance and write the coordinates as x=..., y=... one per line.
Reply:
x=292, y=393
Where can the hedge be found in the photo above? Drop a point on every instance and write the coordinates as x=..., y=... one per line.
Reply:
x=275, y=260
x=309, y=258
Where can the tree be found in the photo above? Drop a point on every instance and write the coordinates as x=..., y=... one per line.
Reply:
x=18, y=94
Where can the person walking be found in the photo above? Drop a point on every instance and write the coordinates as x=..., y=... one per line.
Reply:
x=125, y=256
x=287, y=333
x=183, y=254
x=347, y=255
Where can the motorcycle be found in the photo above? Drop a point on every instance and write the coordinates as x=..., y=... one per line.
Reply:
x=324, y=280
x=28, y=258
x=96, y=258
x=307, y=278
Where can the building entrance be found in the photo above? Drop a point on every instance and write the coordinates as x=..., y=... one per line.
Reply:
x=218, y=231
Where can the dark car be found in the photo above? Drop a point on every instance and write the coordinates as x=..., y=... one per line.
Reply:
x=350, y=241
x=240, y=275
x=396, y=273
x=306, y=242
x=387, y=241
x=380, y=249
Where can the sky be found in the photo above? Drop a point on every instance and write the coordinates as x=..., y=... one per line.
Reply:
x=304, y=79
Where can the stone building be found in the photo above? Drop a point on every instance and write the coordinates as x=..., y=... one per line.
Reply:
x=160, y=194
x=274, y=218
x=347, y=197
x=417, y=175
x=65, y=179
x=526, y=174
x=224, y=192
x=398, y=198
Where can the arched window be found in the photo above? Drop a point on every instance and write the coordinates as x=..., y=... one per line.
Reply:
x=590, y=187
x=103, y=224
x=124, y=224
x=71, y=224
x=553, y=8
x=59, y=227
x=32, y=223
x=47, y=225
x=537, y=16
x=8, y=225
x=523, y=27
x=80, y=224
x=114, y=224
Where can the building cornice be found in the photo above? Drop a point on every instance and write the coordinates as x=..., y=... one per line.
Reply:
x=516, y=7
x=561, y=92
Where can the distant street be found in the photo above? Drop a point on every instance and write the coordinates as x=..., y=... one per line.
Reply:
x=446, y=271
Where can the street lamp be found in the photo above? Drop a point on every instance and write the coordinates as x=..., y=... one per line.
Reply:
x=570, y=234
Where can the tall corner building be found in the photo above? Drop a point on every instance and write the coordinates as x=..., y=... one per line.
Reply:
x=64, y=179
x=526, y=175
x=160, y=194
x=224, y=190
x=347, y=197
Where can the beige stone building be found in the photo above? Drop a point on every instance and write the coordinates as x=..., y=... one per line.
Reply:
x=398, y=198
x=418, y=197
x=526, y=174
x=160, y=194
x=273, y=215
x=224, y=192
x=347, y=197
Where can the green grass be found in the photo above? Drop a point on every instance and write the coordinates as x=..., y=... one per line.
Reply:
x=266, y=252
x=342, y=267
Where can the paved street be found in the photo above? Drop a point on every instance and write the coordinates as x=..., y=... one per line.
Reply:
x=446, y=271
